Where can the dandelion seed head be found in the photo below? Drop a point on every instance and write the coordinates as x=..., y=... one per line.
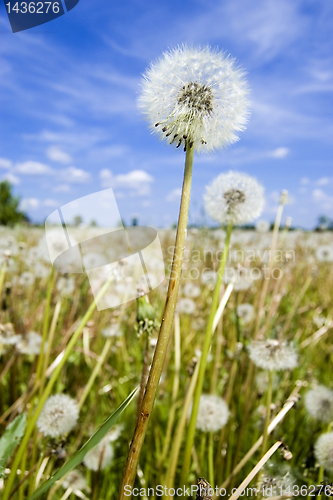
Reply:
x=319, y=403
x=100, y=456
x=8, y=335
x=186, y=306
x=324, y=253
x=31, y=344
x=272, y=354
x=190, y=290
x=195, y=96
x=213, y=413
x=235, y=198
x=58, y=416
x=323, y=451
x=245, y=312
x=263, y=226
x=74, y=480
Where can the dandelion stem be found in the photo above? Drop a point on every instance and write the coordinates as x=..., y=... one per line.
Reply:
x=203, y=359
x=211, y=459
x=164, y=334
x=268, y=412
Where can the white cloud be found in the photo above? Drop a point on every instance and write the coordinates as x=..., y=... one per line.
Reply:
x=29, y=204
x=4, y=163
x=33, y=168
x=322, y=199
x=136, y=181
x=280, y=152
x=305, y=181
x=51, y=203
x=323, y=181
x=62, y=188
x=174, y=195
x=75, y=175
x=13, y=179
x=58, y=155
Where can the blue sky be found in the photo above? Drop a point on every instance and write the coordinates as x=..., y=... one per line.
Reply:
x=69, y=123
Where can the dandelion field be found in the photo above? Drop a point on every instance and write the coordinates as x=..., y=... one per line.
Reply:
x=114, y=350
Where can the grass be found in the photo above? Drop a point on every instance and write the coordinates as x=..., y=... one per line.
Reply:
x=298, y=306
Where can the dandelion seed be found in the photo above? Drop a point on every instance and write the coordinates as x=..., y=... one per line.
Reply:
x=272, y=354
x=111, y=331
x=58, y=416
x=234, y=198
x=26, y=279
x=319, y=403
x=66, y=286
x=197, y=97
x=74, y=480
x=100, y=456
x=213, y=413
x=239, y=277
x=323, y=451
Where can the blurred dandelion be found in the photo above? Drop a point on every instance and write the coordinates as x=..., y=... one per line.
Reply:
x=319, y=403
x=323, y=451
x=272, y=354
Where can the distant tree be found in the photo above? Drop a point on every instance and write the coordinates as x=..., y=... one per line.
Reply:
x=9, y=206
x=77, y=220
x=324, y=223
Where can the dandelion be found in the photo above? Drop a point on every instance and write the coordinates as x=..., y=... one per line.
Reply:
x=240, y=278
x=111, y=331
x=191, y=291
x=31, y=344
x=58, y=416
x=245, y=312
x=186, y=306
x=75, y=481
x=263, y=226
x=319, y=403
x=213, y=413
x=197, y=97
x=8, y=336
x=234, y=198
x=208, y=277
x=99, y=457
x=66, y=286
x=324, y=253
x=26, y=279
x=272, y=354
x=323, y=451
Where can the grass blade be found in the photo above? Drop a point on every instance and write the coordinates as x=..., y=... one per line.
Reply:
x=10, y=439
x=91, y=443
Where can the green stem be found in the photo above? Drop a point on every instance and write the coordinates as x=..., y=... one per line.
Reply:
x=164, y=334
x=268, y=413
x=203, y=360
x=211, y=459
x=3, y=275
x=47, y=391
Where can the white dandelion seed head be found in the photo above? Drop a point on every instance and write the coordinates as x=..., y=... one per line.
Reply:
x=26, y=279
x=111, y=331
x=100, y=456
x=186, y=306
x=240, y=277
x=324, y=253
x=323, y=451
x=319, y=403
x=235, y=198
x=272, y=354
x=58, y=416
x=190, y=290
x=8, y=335
x=213, y=413
x=208, y=277
x=263, y=226
x=195, y=96
x=74, y=480
x=245, y=312
x=31, y=344
x=65, y=286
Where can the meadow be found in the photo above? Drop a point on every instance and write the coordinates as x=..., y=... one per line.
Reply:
x=277, y=290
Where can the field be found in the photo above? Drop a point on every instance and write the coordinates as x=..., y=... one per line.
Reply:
x=280, y=293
